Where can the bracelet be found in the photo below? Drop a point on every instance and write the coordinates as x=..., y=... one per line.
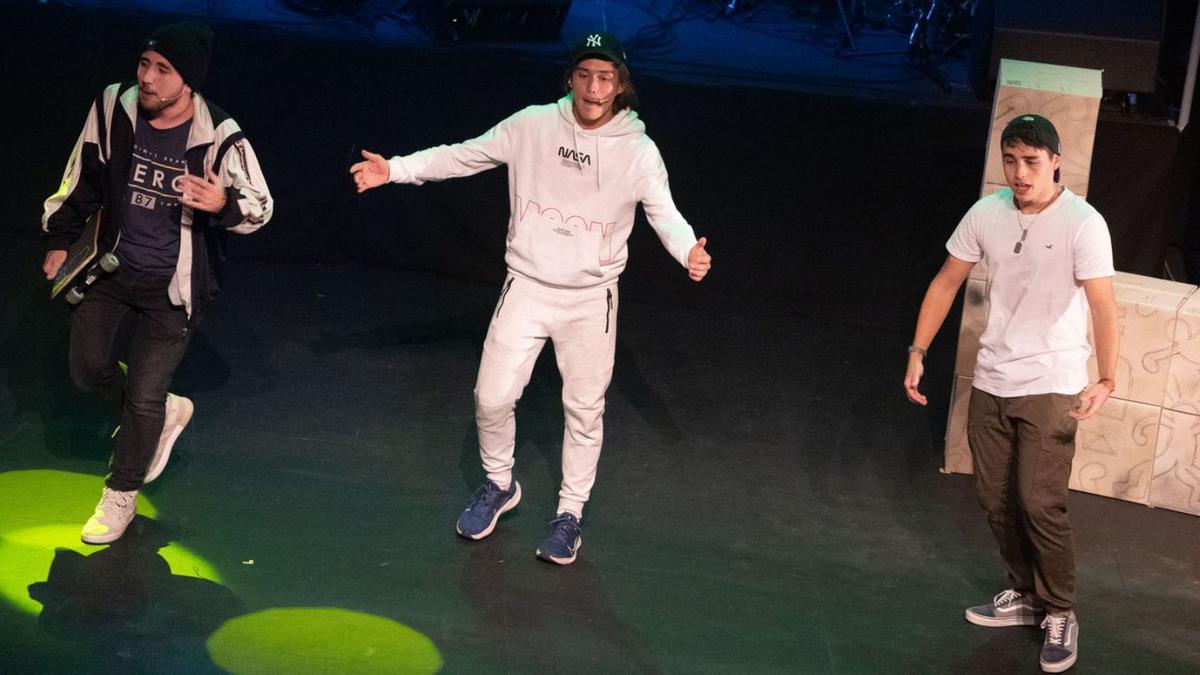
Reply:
x=1112, y=384
x=919, y=350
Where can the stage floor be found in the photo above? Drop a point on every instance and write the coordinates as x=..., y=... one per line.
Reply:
x=767, y=502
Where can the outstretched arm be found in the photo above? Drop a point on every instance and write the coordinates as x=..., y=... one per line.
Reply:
x=470, y=157
x=369, y=173
x=699, y=261
x=673, y=230
x=938, y=299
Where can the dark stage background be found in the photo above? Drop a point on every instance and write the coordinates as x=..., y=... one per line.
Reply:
x=828, y=206
x=768, y=500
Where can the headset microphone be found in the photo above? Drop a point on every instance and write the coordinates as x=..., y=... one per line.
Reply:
x=171, y=99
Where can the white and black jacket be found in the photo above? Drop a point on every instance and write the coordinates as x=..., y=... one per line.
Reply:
x=98, y=171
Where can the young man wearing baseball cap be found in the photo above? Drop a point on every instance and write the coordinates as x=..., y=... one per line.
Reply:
x=1049, y=263
x=173, y=172
x=576, y=171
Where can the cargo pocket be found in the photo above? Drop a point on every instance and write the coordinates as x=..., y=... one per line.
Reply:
x=1058, y=444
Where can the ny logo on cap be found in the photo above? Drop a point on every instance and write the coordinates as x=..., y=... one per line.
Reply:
x=151, y=43
x=594, y=40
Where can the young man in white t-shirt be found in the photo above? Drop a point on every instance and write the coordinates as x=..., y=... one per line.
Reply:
x=1049, y=261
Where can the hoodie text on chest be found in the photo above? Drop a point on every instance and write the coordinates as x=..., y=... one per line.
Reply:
x=558, y=220
x=574, y=155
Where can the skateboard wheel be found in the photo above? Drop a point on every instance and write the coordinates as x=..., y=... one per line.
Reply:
x=74, y=296
x=109, y=263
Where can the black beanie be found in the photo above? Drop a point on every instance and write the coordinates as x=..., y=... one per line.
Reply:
x=187, y=45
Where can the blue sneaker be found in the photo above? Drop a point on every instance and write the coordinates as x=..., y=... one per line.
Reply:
x=1061, y=646
x=1009, y=608
x=564, y=540
x=489, y=501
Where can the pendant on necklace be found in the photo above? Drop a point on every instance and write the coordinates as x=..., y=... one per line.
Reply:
x=1017, y=248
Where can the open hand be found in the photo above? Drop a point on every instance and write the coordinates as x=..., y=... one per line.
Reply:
x=699, y=261
x=370, y=173
x=202, y=194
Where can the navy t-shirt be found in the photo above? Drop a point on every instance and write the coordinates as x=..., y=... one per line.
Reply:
x=150, y=238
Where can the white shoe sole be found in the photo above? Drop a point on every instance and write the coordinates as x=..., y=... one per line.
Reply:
x=184, y=416
x=103, y=538
x=1058, y=667
x=1000, y=622
x=562, y=561
x=508, y=506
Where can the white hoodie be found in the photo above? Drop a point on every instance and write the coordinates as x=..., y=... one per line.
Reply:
x=572, y=191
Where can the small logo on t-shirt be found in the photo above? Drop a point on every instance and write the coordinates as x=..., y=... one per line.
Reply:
x=1049, y=245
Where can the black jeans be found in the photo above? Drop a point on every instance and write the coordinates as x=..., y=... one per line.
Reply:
x=159, y=336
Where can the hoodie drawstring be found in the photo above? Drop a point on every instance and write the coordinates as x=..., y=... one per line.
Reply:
x=575, y=147
x=578, y=154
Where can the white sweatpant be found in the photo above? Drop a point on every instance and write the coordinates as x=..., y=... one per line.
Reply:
x=583, y=325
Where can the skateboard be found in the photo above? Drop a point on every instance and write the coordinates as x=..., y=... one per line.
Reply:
x=82, y=268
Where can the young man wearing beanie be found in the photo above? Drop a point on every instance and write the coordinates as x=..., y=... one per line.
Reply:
x=576, y=172
x=1049, y=262
x=173, y=173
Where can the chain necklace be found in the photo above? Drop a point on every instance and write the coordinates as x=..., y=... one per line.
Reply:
x=1023, y=226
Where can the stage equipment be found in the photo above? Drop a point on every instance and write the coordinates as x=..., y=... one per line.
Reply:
x=494, y=20
x=1120, y=37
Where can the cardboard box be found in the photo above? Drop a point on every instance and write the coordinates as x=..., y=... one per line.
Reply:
x=1176, y=481
x=1114, y=451
x=958, y=452
x=1147, y=311
x=1183, y=381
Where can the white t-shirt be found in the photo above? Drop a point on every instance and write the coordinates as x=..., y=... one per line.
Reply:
x=1035, y=338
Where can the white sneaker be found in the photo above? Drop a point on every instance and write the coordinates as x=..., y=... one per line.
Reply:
x=179, y=413
x=113, y=514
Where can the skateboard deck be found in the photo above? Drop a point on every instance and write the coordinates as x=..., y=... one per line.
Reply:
x=81, y=263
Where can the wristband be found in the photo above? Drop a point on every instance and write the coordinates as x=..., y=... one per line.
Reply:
x=919, y=350
x=1112, y=384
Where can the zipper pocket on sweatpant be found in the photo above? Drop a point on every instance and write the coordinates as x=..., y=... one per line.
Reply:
x=503, y=294
x=608, y=314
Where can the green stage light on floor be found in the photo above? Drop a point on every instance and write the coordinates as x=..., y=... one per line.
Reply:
x=43, y=496
x=321, y=640
x=45, y=514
